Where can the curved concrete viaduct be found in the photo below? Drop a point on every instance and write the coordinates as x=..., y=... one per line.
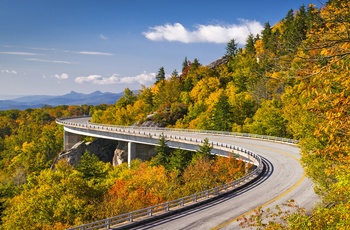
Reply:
x=282, y=180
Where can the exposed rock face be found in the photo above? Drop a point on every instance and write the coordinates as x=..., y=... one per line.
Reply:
x=218, y=62
x=112, y=151
x=102, y=148
x=120, y=154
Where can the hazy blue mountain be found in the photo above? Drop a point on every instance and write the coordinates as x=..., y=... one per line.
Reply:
x=72, y=98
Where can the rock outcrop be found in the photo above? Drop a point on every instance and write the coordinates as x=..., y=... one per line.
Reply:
x=120, y=154
x=102, y=148
x=218, y=62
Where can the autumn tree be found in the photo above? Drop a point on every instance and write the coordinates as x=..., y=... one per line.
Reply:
x=54, y=199
x=127, y=99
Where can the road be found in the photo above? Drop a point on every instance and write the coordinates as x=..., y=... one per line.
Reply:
x=283, y=180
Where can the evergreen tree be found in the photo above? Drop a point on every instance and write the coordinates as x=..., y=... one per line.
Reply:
x=231, y=48
x=161, y=75
x=204, y=151
x=195, y=64
x=175, y=73
x=267, y=36
x=250, y=44
x=163, y=153
x=91, y=166
x=184, y=64
x=221, y=115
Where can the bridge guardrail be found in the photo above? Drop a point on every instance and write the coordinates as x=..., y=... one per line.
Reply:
x=181, y=202
x=226, y=133
x=187, y=201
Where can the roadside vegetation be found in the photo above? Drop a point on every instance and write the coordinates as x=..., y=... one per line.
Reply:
x=292, y=80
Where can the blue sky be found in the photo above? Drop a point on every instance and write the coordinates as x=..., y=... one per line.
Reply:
x=52, y=47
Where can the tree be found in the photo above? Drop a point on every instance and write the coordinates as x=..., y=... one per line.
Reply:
x=204, y=151
x=267, y=36
x=53, y=199
x=250, y=44
x=91, y=167
x=221, y=116
x=163, y=153
x=161, y=75
x=127, y=99
x=231, y=48
x=184, y=65
x=268, y=120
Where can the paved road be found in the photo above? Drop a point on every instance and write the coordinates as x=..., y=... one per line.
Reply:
x=283, y=180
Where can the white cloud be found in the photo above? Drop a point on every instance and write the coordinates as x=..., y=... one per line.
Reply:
x=50, y=61
x=94, y=53
x=20, y=53
x=144, y=78
x=9, y=71
x=103, y=37
x=62, y=76
x=205, y=33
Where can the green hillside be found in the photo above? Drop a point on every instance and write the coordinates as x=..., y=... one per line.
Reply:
x=292, y=80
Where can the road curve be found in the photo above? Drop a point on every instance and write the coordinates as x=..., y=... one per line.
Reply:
x=283, y=179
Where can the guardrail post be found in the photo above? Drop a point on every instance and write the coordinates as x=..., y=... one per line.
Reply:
x=108, y=223
x=130, y=217
x=150, y=212
x=167, y=206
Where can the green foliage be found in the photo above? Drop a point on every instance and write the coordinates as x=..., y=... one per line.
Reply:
x=91, y=167
x=268, y=120
x=163, y=153
x=291, y=81
x=221, y=116
x=231, y=48
x=53, y=198
x=127, y=99
x=161, y=75
x=204, y=151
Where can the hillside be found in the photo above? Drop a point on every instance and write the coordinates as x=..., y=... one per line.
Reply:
x=292, y=80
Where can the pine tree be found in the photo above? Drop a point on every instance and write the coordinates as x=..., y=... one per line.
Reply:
x=231, y=48
x=163, y=153
x=250, y=44
x=161, y=75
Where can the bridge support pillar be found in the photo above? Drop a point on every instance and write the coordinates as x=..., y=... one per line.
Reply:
x=131, y=151
x=70, y=139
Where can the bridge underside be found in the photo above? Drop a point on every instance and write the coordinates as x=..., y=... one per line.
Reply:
x=126, y=151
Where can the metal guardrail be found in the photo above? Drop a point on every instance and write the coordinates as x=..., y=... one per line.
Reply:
x=234, y=134
x=184, y=201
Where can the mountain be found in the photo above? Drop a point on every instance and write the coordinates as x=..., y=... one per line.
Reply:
x=72, y=98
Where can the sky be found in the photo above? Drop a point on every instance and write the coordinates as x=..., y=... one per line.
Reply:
x=53, y=47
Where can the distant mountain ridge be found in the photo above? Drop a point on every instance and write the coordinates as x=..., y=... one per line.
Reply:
x=72, y=98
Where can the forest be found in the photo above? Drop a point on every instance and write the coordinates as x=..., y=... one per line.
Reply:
x=292, y=80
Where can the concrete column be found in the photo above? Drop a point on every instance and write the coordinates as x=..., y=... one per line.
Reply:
x=70, y=139
x=131, y=151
